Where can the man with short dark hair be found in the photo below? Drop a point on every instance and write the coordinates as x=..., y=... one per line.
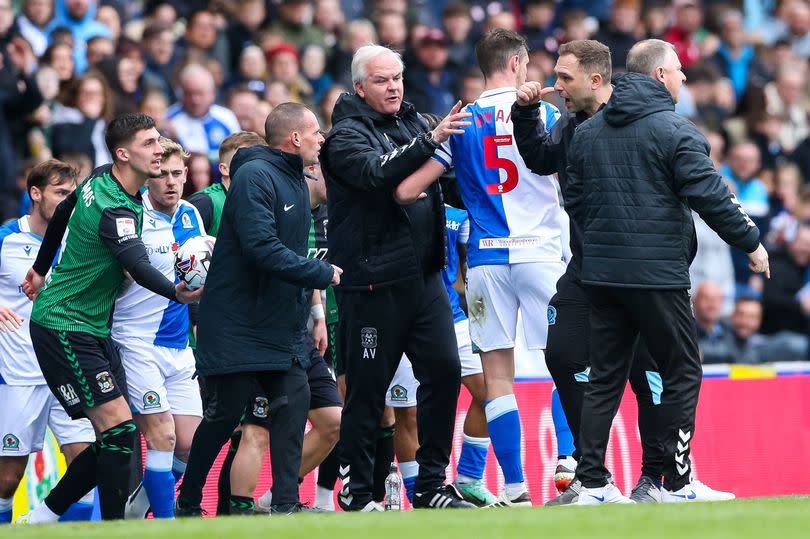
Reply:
x=636, y=170
x=255, y=303
x=70, y=321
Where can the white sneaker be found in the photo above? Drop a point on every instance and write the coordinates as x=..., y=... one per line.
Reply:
x=697, y=492
x=521, y=500
x=137, y=504
x=262, y=505
x=564, y=474
x=372, y=507
x=610, y=493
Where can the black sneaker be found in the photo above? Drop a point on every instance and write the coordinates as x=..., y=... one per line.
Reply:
x=646, y=491
x=444, y=497
x=290, y=508
x=181, y=511
x=568, y=496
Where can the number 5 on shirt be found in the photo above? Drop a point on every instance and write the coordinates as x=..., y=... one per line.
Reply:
x=491, y=160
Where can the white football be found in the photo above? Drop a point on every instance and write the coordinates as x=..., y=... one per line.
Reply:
x=192, y=260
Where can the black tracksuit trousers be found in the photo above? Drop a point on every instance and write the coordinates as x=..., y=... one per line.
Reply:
x=663, y=318
x=569, y=336
x=376, y=327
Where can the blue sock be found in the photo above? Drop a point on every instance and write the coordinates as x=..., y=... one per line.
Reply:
x=81, y=510
x=503, y=422
x=178, y=469
x=409, y=471
x=473, y=458
x=565, y=440
x=158, y=482
x=6, y=507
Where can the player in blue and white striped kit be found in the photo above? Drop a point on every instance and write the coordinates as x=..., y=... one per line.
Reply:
x=514, y=253
x=151, y=333
x=27, y=406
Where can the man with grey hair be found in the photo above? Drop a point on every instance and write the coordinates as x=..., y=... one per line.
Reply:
x=392, y=300
x=636, y=170
x=201, y=125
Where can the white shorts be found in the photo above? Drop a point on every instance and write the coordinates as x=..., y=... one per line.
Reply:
x=496, y=292
x=25, y=411
x=402, y=391
x=159, y=378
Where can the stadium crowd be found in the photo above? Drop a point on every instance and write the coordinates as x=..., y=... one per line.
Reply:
x=80, y=80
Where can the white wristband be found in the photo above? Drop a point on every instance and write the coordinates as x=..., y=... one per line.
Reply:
x=317, y=312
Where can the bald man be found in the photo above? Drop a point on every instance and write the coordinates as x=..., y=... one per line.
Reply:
x=200, y=123
x=253, y=313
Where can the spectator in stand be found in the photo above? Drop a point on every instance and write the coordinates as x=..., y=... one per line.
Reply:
x=251, y=71
x=622, y=31
x=283, y=65
x=538, y=24
x=122, y=78
x=750, y=346
x=655, y=18
x=358, y=34
x=502, y=19
x=79, y=17
x=328, y=105
x=293, y=22
x=108, y=16
x=277, y=93
x=472, y=86
x=78, y=125
x=201, y=36
x=248, y=17
x=765, y=130
x=199, y=174
x=787, y=97
x=798, y=28
x=155, y=105
x=313, y=66
x=392, y=29
x=458, y=26
x=715, y=338
x=736, y=59
x=159, y=48
x=32, y=23
x=99, y=48
x=704, y=87
x=575, y=26
x=687, y=32
x=200, y=124
x=60, y=57
x=743, y=165
x=787, y=205
x=786, y=299
x=329, y=17
x=429, y=85
x=243, y=101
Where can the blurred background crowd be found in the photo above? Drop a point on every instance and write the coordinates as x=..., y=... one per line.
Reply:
x=205, y=69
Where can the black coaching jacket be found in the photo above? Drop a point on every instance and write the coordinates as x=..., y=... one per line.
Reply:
x=635, y=171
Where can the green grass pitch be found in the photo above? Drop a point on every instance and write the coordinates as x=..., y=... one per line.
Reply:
x=763, y=518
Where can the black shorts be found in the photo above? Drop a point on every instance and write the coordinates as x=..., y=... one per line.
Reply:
x=82, y=370
x=322, y=388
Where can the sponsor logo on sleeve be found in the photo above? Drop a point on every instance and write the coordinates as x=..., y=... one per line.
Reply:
x=125, y=226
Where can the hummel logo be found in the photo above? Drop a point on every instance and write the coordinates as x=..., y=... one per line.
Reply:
x=288, y=208
x=600, y=498
x=690, y=496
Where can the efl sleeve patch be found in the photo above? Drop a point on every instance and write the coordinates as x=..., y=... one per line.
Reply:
x=125, y=226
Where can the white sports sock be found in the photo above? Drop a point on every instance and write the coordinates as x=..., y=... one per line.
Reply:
x=324, y=498
x=6, y=504
x=88, y=498
x=409, y=469
x=513, y=490
x=43, y=515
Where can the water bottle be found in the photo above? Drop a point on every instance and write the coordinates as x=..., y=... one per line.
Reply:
x=393, y=489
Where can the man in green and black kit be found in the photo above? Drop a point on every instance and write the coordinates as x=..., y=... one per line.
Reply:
x=100, y=223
